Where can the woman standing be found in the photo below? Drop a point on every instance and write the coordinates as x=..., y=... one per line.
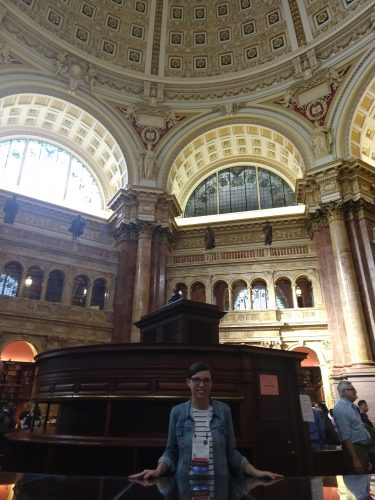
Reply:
x=201, y=439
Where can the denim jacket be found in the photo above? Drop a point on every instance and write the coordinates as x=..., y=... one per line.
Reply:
x=177, y=454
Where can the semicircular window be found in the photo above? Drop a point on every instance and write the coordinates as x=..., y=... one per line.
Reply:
x=47, y=172
x=239, y=189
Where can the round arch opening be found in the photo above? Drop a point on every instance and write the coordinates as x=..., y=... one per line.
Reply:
x=312, y=375
x=19, y=350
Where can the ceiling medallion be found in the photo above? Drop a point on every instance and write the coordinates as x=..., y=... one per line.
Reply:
x=150, y=135
x=316, y=110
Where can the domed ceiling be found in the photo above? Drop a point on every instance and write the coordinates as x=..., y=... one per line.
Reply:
x=174, y=42
x=164, y=66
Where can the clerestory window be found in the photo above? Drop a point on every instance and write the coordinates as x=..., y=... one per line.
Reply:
x=239, y=189
x=47, y=172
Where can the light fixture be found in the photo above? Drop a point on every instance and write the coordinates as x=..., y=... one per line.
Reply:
x=28, y=281
x=298, y=291
x=85, y=291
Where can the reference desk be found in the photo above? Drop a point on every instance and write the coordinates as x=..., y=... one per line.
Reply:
x=21, y=486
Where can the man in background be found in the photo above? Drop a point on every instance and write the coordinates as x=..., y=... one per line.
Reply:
x=352, y=434
x=363, y=410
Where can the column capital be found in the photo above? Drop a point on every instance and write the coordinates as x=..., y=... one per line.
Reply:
x=144, y=204
x=125, y=232
x=346, y=180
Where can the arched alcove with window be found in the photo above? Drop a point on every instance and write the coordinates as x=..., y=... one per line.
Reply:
x=240, y=296
x=98, y=295
x=80, y=289
x=259, y=295
x=221, y=295
x=198, y=292
x=55, y=284
x=304, y=292
x=33, y=283
x=283, y=294
x=10, y=279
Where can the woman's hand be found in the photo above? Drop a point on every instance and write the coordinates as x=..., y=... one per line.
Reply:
x=250, y=470
x=268, y=475
x=150, y=473
x=145, y=474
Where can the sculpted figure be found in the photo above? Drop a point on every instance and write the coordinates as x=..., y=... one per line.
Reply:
x=61, y=64
x=321, y=138
x=148, y=163
x=267, y=229
x=209, y=238
x=4, y=54
x=11, y=207
x=77, y=226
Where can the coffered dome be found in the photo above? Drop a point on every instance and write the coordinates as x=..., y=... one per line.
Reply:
x=247, y=45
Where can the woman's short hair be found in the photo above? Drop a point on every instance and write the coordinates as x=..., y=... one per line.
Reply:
x=197, y=367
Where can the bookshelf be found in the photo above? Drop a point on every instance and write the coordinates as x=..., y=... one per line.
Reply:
x=16, y=380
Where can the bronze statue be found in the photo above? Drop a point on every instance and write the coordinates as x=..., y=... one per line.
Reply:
x=267, y=229
x=77, y=226
x=209, y=238
x=11, y=207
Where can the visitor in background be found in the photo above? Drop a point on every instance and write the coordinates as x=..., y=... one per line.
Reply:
x=330, y=432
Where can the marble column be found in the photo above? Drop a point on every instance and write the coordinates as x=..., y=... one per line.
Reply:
x=44, y=287
x=354, y=321
x=161, y=288
x=294, y=296
x=230, y=298
x=88, y=296
x=142, y=275
x=126, y=244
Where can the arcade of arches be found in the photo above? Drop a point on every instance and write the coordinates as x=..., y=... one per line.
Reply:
x=268, y=120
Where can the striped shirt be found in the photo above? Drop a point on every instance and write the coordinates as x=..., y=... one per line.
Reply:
x=202, y=419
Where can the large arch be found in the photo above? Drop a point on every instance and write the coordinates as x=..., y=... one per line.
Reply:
x=77, y=121
x=200, y=148
x=353, y=115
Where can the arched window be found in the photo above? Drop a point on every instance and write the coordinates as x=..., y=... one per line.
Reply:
x=33, y=283
x=304, y=292
x=239, y=189
x=47, y=172
x=240, y=297
x=10, y=279
x=259, y=295
x=283, y=292
x=198, y=292
x=54, y=287
x=99, y=288
x=221, y=295
x=80, y=289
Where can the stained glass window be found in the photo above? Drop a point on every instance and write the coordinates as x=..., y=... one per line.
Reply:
x=239, y=189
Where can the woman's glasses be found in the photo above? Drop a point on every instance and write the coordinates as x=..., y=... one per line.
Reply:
x=198, y=381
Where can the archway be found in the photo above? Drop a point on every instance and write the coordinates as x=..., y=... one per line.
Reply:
x=19, y=350
x=311, y=374
x=17, y=368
